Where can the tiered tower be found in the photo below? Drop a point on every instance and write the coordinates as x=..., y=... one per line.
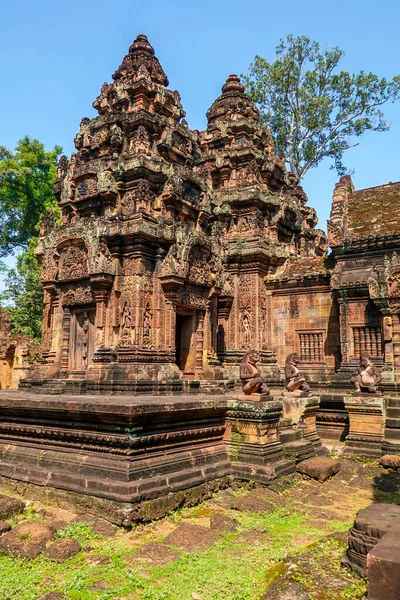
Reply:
x=156, y=272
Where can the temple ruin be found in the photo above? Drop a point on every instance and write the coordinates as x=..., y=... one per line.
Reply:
x=17, y=354
x=174, y=244
x=178, y=253
x=179, y=250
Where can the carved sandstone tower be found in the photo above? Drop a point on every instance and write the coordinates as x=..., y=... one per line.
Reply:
x=265, y=222
x=156, y=273
x=130, y=275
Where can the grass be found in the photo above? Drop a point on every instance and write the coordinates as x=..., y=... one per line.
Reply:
x=226, y=570
x=294, y=544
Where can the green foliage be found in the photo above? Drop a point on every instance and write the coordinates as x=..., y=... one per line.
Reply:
x=27, y=176
x=24, y=294
x=81, y=532
x=313, y=110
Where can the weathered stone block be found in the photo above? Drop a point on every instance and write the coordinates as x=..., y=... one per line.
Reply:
x=383, y=568
x=367, y=415
x=63, y=549
x=10, y=507
x=26, y=540
x=319, y=467
x=390, y=461
x=370, y=526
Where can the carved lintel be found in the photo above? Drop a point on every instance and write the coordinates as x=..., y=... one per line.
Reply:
x=171, y=285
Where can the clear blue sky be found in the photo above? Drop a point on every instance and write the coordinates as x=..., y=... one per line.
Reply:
x=54, y=57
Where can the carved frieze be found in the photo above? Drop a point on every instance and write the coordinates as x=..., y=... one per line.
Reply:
x=72, y=295
x=73, y=263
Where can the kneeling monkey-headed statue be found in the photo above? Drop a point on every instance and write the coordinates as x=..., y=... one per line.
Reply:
x=294, y=379
x=252, y=381
x=366, y=377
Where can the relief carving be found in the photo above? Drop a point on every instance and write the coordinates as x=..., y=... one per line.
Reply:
x=77, y=294
x=103, y=261
x=73, y=262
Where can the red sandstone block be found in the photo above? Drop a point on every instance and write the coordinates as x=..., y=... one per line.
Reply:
x=383, y=569
x=319, y=467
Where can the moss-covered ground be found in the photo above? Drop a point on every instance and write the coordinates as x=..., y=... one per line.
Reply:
x=291, y=538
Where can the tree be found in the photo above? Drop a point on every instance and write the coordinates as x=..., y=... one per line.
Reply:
x=23, y=294
x=314, y=111
x=27, y=176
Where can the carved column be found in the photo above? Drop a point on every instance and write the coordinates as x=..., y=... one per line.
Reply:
x=65, y=341
x=344, y=341
x=223, y=309
x=170, y=324
x=102, y=284
x=388, y=339
x=57, y=327
x=396, y=344
x=101, y=297
x=199, y=342
x=171, y=284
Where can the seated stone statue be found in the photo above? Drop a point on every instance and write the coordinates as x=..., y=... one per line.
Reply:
x=294, y=380
x=366, y=377
x=252, y=381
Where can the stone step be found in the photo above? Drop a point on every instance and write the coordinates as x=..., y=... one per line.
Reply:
x=392, y=434
x=298, y=450
x=290, y=435
x=391, y=447
x=393, y=412
x=393, y=423
x=394, y=402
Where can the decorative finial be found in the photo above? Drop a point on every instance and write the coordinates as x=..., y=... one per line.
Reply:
x=141, y=44
x=233, y=84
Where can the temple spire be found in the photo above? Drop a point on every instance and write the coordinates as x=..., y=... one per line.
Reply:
x=141, y=57
x=233, y=103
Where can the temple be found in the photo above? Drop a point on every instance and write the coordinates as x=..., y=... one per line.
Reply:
x=183, y=266
x=178, y=250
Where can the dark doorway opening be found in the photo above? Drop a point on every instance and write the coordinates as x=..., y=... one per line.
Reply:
x=184, y=334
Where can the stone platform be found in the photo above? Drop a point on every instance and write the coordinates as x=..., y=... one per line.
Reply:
x=367, y=416
x=374, y=549
x=139, y=457
x=127, y=451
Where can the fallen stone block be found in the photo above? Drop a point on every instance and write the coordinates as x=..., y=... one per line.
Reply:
x=4, y=527
x=10, y=507
x=63, y=549
x=318, y=467
x=191, y=538
x=223, y=523
x=370, y=526
x=153, y=553
x=383, y=568
x=390, y=461
x=26, y=540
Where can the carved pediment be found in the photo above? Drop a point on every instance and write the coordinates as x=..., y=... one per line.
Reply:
x=73, y=263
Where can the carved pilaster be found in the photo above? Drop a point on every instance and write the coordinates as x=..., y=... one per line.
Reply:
x=65, y=341
x=344, y=339
x=200, y=342
x=102, y=284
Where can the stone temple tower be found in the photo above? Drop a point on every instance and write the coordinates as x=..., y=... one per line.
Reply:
x=156, y=273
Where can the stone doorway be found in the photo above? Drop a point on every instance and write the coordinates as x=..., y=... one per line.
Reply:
x=82, y=341
x=185, y=343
